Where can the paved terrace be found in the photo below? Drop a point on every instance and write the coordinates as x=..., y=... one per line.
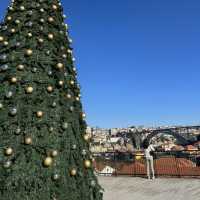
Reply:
x=131, y=188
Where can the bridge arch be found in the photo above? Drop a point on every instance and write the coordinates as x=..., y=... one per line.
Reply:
x=179, y=138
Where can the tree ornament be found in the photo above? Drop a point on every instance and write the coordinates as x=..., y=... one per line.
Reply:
x=61, y=83
x=54, y=104
x=9, y=94
x=50, y=36
x=30, y=35
x=5, y=43
x=10, y=8
x=22, y=8
x=50, y=73
x=55, y=177
x=18, y=44
x=13, y=80
x=70, y=40
x=69, y=96
x=12, y=30
x=8, y=151
x=69, y=51
x=13, y=111
x=83, y=115
x=64, y=56
x=50, y=19
x=87, y=164
x=9, y=18
x=42, y=20
x=74, y=146
x=60, y=65
x=48, y=161
x=50, y=88
x=39, y=114
x=34, y=70
x=3, y=67
x=18, y=131
x=48, y=52
x=54, y=7
x=41, y=9
x=7, y=164
x=86, y=137
x=28, y=140
x=84, y=152
x=17, y=21
x=29, y=52
x=73, y=172
x=54, y=153
x=65, y=125
x=29, y=90
x=40, y=40
x=61, y=32
x=51, y=129
x=20, y=67
x=64, y=16
x=72, y=82
x=1, y=105
x=71, y=108
x=77, y=99
x=1, y=38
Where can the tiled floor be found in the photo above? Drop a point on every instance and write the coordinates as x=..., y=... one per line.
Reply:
x=131, y=188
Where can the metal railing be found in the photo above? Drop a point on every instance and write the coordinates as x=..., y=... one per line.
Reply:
x=177, y=164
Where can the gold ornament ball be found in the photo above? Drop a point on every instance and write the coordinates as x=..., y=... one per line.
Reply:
x=54, y=7
x=22, y=8
x=50, y=89
x=9, y=151
x=54, y=153
x=86, y=137
x=20, y=67
x=51, y=19
x=40, y=40
x=5, y=43
x=29, y=52
x=69, y=96
x=1, y=38
x=9, y=18
x=73, y=172
x=77, y=99
x=28, y=140
x=12, y=30
x=60, y=65
x=50, y=36
x=48, y=161
x=39, y=114
x=87, y=163
x=17, y=21
x=29, y=90
x=30, y=34
x=61, y=83
x=72, y=82
x=13, y=80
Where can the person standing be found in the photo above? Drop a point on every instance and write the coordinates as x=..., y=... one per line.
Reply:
x=149, y=161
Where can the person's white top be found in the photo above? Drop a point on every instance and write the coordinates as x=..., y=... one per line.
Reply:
x=148, y=150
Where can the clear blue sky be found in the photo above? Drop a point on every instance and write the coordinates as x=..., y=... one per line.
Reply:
x=138, y=60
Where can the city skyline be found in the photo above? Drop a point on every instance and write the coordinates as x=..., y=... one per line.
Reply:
x=139, y=64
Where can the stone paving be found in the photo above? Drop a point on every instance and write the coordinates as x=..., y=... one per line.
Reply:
x=133, y=188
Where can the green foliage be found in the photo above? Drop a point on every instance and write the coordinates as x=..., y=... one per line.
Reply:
x=23, y=175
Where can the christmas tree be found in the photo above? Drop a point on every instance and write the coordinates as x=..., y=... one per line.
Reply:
x=44, y=147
